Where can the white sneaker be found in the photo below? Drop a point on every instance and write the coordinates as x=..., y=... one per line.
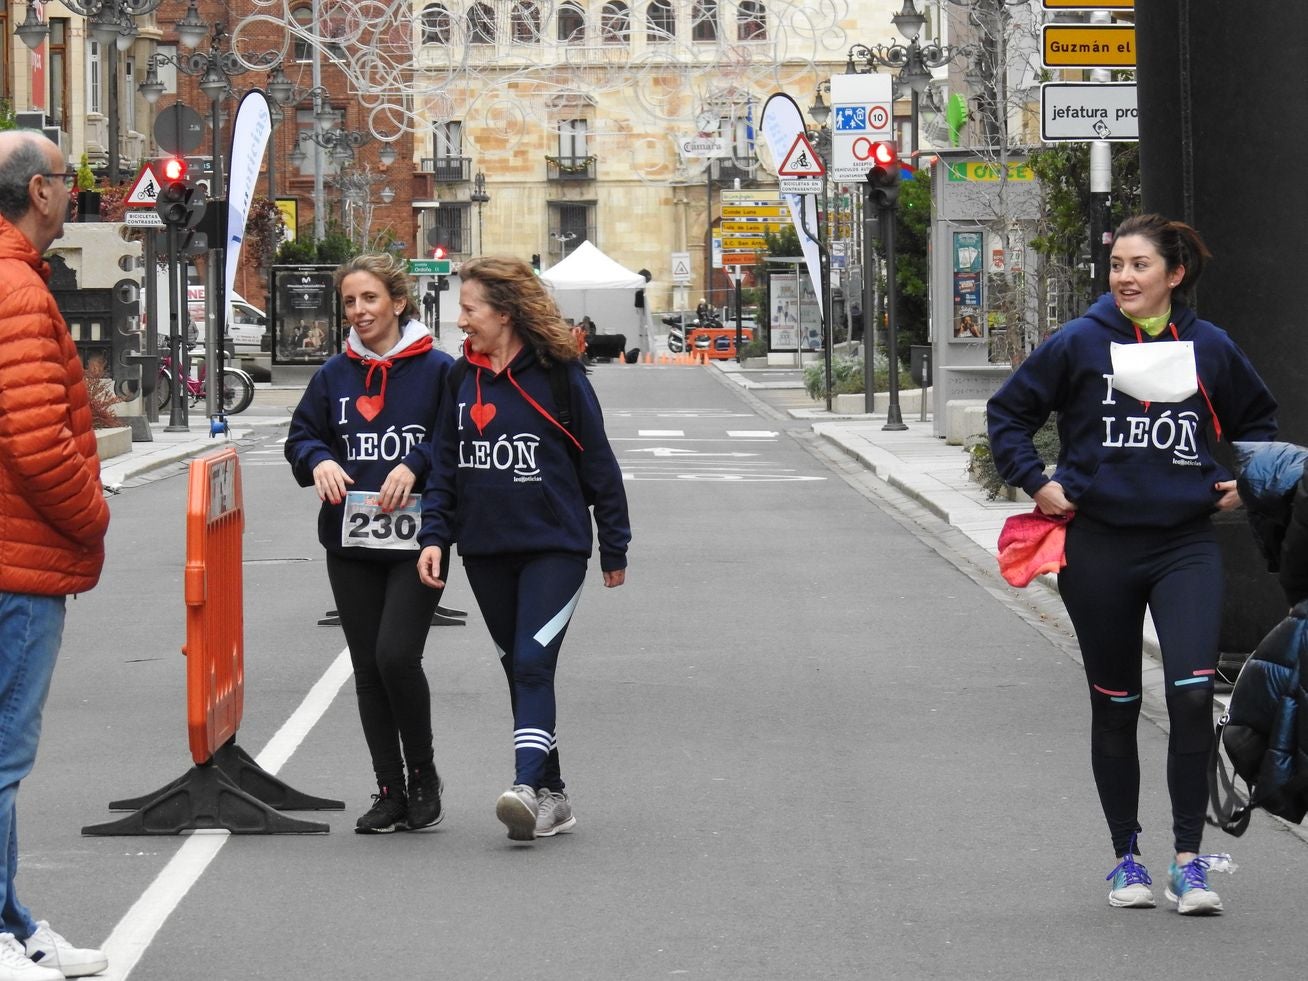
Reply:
x=48, y=949
x=517, y=809
x=17, y=966
x=554, y=814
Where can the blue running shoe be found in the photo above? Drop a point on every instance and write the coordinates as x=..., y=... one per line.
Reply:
x=1131, y=883
x=1188, y=887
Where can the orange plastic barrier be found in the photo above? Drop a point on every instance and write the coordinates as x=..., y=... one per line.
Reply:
x=215, y=603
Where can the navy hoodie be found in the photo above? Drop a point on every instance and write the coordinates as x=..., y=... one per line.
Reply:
x=1123, y=461
x=369, y=424
x=509, y=478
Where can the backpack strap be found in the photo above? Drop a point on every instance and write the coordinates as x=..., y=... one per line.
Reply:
x=1229, y=811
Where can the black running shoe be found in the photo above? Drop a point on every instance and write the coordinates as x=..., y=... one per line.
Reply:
x=425, y=787
x=389, y=812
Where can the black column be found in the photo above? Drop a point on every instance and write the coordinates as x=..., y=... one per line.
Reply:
x=1221, y=147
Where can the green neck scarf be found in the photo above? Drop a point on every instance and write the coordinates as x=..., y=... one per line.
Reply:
x=1153, y=326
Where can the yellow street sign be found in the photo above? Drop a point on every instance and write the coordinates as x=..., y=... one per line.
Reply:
x=741, y=211
x=1088, y=4
x=751, y=243
x=751, y=197
x=751, y=227
x=1088, y=45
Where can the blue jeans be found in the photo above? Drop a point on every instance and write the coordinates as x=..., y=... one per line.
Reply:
x=30, y=630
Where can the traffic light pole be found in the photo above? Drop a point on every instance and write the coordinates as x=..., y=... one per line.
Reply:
x=177, y=422
x=894, y=417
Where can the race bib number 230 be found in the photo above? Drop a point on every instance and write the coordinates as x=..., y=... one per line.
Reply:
x=366, y=525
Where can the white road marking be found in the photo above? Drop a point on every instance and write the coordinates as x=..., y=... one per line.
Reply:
x=132, y=935
x=751, y=434
x=673, y=451
x=645, y=433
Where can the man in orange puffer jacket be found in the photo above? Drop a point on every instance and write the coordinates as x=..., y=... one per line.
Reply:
x=53, y=514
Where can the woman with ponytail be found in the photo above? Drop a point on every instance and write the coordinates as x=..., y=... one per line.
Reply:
x=1138, y=383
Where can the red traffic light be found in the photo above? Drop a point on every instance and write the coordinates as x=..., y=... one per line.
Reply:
x=172, y=169
x=440, y=252
x=885, y=155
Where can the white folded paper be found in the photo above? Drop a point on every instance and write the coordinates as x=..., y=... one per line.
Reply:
x=1161, y=371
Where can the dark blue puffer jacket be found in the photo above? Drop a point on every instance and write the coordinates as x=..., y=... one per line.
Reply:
x=1272, y=487
x=1266, y=726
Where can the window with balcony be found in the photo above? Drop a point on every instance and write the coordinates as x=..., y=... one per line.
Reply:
x=615, y=23
x=574, y=161
x=571, y=23
x=524, y=23
x=448, y=164
x=481, y=24
x=570, y=224
x=704, y=20
x=435, y=24
x=660, y=22
x=751, y=21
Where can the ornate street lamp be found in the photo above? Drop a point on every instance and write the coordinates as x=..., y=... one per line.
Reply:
x=479, y=197
x=913, y=61
x=213, y=67
x=112, y=23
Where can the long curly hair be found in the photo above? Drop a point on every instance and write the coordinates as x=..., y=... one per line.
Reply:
x=394, y=274
x=512, y=287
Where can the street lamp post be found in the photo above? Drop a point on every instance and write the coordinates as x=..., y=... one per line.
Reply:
x=563, y=238
x=215, y=68
x=479, y=197
x=913, y=61
x=112, y=23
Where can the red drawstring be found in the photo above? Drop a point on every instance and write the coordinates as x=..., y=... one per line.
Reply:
x=1217, y=423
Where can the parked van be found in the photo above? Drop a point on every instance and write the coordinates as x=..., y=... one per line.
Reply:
x=247, y=328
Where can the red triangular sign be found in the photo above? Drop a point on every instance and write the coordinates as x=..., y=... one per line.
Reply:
x=802, y=160
x=145, y=192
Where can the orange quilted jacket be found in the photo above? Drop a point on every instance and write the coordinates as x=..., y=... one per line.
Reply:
x=53, y=514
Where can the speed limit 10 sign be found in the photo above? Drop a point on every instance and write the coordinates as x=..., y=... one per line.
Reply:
x=861, y=117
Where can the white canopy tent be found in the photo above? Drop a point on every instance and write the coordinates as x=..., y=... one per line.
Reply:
x=589, y=284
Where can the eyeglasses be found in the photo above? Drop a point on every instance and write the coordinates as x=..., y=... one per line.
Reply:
x=69, y=178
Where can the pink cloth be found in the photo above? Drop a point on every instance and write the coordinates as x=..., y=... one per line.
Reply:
x=1031, y=544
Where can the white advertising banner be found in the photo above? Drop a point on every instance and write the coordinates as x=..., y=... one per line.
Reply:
x=782, y=123
x=250, y=134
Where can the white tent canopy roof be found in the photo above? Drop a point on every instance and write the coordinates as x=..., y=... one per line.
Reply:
x=587, y=268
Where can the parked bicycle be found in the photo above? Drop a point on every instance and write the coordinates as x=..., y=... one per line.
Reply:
x=236, y=394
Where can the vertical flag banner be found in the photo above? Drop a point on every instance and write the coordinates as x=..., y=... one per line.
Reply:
x=250, y=133
x=782, y=123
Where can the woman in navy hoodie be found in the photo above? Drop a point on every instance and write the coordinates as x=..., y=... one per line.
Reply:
x=522, y=458
x=362, y=438
x=1136, y=383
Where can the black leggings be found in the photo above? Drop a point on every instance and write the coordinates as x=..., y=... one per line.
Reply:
x=386, y=613
x=527, y=602
x=1112, y=576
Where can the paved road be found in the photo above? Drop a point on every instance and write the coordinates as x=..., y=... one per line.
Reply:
x=812, y=737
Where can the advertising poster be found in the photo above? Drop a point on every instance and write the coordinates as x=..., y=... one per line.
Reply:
x=305, y=322
x=794, y=316
x=968, y=321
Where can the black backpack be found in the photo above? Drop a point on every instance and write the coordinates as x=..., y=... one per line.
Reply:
x=1264, y=732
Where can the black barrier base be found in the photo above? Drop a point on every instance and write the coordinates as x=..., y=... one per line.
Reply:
x=239, y=768
x=205, y=799
x=441, y=618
